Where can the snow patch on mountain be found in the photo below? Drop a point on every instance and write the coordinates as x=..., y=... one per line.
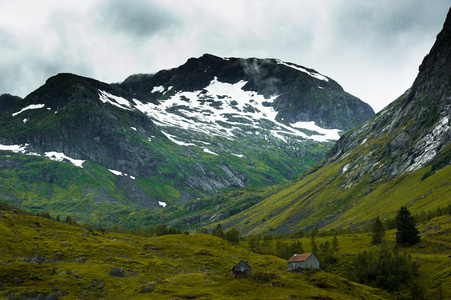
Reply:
x=53, y=155
x=326, y=134
x=114, y=100
x=210, y=152
x=172, y=138
x=299, y=68
x=221, y=108
x=14, y=148
x=31, y=106
x=119, y=173
x=57, y=156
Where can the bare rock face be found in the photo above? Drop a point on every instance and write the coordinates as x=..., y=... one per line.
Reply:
x=413, y=131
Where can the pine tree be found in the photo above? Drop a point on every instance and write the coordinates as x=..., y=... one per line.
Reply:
x=254, y=242
x=378, y=231
x=314, y=246
x=335, y=247
x=232, y=235
x=218, y=231
x=407, y=233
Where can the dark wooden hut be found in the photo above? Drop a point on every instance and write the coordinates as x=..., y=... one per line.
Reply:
x=242, y=269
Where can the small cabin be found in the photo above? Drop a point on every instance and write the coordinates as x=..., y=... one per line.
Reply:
x=242, y=269
x=303, y=262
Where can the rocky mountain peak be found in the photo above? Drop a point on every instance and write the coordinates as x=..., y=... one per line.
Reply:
x=410, y=133
x=300, y=94
x=209, y=125
x=7, y=101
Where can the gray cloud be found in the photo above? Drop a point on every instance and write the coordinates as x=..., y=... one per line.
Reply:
x=139, y=19
x=372, y=48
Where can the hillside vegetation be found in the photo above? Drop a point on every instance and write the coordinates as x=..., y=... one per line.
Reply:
x=320, y=199
x=43, y=256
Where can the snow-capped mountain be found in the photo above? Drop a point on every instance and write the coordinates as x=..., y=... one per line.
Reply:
x=209, y=125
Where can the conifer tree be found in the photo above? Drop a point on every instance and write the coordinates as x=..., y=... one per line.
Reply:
x=254, y=242
x=218, y=231
x=232, y=235
x=335, y=246
x=314, y=246
x=407, y=233
x=378, y=231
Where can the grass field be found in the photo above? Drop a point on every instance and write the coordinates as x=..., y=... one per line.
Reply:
x=42, y=256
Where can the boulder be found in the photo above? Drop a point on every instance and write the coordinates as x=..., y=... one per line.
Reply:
x=117, y=272
x=148, y=288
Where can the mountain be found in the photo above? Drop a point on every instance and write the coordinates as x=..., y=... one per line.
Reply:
x=156, y=140
x=399, y=157
x=7, y=101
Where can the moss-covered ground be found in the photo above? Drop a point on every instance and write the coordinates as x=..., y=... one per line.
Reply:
x=43, y=256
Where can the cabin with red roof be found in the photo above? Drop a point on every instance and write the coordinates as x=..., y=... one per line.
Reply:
x=303, y=262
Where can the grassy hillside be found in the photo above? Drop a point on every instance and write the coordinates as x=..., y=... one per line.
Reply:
x=432, y=256
x=42, y=256
x=322, y=199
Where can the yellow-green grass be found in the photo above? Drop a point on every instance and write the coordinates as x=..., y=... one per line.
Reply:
x=181, y=266
x=432, y=254
x=322, y=199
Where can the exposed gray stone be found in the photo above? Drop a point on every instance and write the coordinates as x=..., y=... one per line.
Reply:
x=117, y=272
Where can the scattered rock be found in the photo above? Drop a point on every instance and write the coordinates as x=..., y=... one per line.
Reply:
x=277, y=283
x=117, y=272
x=59, y=256
x=149, y=288
x=81, y=260
x=37, y=259
x=2, y=215
x=369, y=190
x=46, y=297
x=16, y=280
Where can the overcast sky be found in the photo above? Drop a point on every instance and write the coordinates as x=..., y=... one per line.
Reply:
x=372, y=48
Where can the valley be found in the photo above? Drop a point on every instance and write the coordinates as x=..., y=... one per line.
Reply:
x=157, y=186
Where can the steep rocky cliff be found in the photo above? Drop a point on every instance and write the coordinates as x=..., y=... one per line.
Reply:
x=413, y=131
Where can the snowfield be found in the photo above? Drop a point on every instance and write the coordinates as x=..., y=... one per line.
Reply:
x=220, y=109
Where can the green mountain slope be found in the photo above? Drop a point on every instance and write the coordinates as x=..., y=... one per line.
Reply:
x=401, y=156
x=211, y=125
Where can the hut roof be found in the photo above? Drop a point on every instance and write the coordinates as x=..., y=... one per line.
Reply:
x=242, y=262
x=299, y=257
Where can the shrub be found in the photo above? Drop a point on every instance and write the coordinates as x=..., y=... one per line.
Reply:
x=386, y=269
